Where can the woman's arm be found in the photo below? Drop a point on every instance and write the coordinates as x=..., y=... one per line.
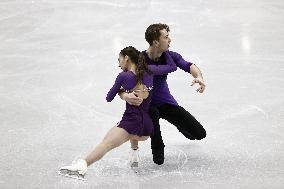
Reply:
x=115, y=88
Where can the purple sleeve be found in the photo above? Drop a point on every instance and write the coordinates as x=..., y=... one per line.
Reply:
x=170, y=66
x=180, y=62
x=115, y=88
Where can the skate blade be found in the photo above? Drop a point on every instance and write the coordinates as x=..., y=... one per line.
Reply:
x=71, y=174
x=134, y=164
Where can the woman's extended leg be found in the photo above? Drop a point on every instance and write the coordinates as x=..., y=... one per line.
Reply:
x=114, y=138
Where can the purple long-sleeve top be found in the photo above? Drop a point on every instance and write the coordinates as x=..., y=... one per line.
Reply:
x=161, y=93
x=127, y=79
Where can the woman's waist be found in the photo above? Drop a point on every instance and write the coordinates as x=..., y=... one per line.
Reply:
x=142, y=107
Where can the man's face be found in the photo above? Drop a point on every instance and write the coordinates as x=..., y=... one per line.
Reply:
x=164, y=42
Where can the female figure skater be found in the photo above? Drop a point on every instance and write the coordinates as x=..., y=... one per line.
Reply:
x=136, y=124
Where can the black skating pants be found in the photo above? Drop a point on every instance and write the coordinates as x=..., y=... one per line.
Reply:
x=179, y=117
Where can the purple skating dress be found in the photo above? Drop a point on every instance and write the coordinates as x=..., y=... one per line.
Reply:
x=136, y=119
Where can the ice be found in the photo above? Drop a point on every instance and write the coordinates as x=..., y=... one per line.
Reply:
x=58, y=59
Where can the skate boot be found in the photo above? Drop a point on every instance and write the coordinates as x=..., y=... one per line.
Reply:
x=77, y=170
x=158, y=155
x=134, y=157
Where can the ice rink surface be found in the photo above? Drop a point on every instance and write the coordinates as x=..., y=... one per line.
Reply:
x=58, y=59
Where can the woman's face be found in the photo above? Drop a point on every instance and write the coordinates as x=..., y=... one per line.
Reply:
x=123, y=62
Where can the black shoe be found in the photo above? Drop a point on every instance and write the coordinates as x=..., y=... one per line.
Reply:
x=186, y=134
x=158, y=155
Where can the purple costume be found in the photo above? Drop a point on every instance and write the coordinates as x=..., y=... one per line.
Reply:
x=136, y=119
x=161, y=93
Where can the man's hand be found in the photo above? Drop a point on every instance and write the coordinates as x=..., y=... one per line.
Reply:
x=133, y=99
x=200, y=82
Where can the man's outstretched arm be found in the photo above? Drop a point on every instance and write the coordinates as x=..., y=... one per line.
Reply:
x=198, y=78
x=191, y=68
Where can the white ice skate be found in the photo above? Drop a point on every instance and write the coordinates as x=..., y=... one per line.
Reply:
x=134, y=158
x=77, y=170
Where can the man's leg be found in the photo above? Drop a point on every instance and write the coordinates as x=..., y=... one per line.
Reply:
x=183, y=120
x=157, y=143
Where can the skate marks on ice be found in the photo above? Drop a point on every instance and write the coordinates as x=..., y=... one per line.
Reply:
x=175, y=160
x=118, y=168
x=71, y=174
x=244, y=111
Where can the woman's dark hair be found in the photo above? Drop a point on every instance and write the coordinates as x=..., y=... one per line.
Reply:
x=138, y=59
x=153, y=32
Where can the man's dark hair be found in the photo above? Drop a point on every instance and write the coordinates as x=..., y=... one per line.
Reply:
x=153, y=32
